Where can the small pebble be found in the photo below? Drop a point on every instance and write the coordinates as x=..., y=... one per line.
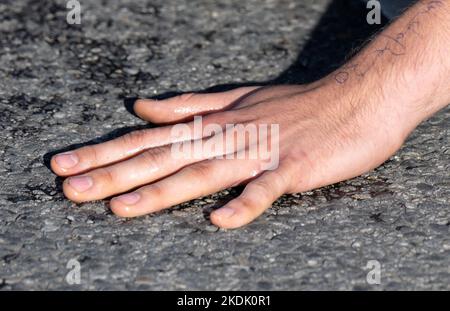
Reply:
x=211, y=228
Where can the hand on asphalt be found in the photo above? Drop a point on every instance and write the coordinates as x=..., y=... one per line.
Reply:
x=326, y=135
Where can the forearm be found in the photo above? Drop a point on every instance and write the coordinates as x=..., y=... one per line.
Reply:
x=406, y=68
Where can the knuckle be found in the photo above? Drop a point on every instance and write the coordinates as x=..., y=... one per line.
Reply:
x=92, y=154
x=261, y=189
x=220, y=118
x=106, y=175
x=155, y=191
x=135, y=138
x=201, y=170
x=154, y=156
x=247, y=202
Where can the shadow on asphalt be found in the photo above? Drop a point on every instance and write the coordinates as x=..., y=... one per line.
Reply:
x=340, y=33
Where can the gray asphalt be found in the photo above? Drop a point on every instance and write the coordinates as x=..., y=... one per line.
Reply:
x=64, y=84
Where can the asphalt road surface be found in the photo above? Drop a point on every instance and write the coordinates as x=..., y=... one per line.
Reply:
x=63, y=85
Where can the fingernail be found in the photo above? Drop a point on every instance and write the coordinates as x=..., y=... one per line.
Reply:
x=81, y=183
x=129, y=198
x=66, y=160
x=224, y=212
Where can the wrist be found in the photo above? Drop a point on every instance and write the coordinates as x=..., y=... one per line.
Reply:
x=378, y=111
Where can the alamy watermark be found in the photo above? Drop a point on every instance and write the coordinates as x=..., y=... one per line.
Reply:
x=374, y=15
x=73, y=277
x=236, y=141
x=74, y=14
x=373, y=277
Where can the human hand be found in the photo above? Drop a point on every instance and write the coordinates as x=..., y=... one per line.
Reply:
x=325, y=136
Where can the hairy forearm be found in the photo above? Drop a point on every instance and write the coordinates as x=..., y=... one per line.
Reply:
x=406, y=67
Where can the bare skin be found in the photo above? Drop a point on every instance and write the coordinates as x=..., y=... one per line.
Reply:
x=334, y=129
